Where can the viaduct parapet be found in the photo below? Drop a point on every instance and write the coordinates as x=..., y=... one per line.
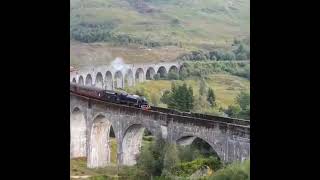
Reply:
x=123, y=75
x=91, y=121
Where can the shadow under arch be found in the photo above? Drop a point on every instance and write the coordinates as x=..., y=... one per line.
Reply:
x=88, y=81
x=118, y=80
x=150, y=73
x=108, y=81
x=174, y=69
x=139, y=75
x=81, y=81
x=99, y=80
x=204, y=147
x=128, y=78
x=162, y=71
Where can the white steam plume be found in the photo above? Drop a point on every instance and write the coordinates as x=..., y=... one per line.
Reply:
x=119, y=65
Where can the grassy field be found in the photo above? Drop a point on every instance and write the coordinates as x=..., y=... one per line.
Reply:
x=78, y=166
x=83, y=54
x=225, y=86
x=190, y=21
x=196, y=24
x=114, y=146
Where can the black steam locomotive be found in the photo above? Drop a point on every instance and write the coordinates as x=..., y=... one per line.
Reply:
x=111, y=96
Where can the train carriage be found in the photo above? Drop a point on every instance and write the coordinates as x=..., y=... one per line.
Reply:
x=88, y=91
x=111, y=96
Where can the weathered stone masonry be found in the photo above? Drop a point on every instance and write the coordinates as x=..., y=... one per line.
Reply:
x=91, y=121
x=109, y=78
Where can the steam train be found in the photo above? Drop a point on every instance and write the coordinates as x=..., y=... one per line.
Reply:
x=111, y=96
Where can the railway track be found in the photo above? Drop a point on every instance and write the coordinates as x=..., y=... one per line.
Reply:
x=172, y=112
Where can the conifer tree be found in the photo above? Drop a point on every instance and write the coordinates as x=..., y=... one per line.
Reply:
x=211, y=97
x=171, y=158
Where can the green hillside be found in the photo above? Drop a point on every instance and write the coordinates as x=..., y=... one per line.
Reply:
x=183, y=25
x=226, y=87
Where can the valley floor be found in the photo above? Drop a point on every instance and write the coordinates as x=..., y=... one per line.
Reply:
x=226, y=87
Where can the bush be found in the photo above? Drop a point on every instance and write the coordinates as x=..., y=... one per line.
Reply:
x=146, y=161
x=240, y=51
x=156, y=76
x=235, y=171
x=228, y=56
x=242, y=56
x=180, y=97
x=211, y=97
x=99, y=178
x=188, y=153
x=173, y=76
x=142, y=92
x=165, y=97
x=243, y=99
x=203, y=69
x=233, y=110
x=242, y=107
x=90, y=32
x=164, y=76
x=188, y=168
x=148, y=138
x=150, y=160
x=200, y=104
x=147, y=133
x=103, y=32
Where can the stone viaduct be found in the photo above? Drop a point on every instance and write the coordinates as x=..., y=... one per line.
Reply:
x=123, y=75
x=91, y=121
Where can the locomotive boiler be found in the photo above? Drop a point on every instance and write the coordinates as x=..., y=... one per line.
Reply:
x=111, y=96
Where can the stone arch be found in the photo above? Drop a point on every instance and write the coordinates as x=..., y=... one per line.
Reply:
x=189, y=139
x=88, y=81
x=99, y=154
x=99, y=80
x=108, y=81
x=139, y=75
x=174, y=69
x=78, y=137
x=74, y=80
x=162, y=71
x=118, y=80
x=131, y=143
x=128, y=78
x=81, y=81
x=150, y=73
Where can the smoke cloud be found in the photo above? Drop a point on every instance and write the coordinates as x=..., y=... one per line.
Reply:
x=119, y=65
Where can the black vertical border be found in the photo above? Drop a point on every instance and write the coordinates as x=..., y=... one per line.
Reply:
x=35, y=89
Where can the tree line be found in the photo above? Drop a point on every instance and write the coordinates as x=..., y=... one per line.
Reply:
x=89, y=33
x=202, y=69
x=182, y=98
x=104, y=32
x=166, y=161
x=241, y=108
x=240, y=51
